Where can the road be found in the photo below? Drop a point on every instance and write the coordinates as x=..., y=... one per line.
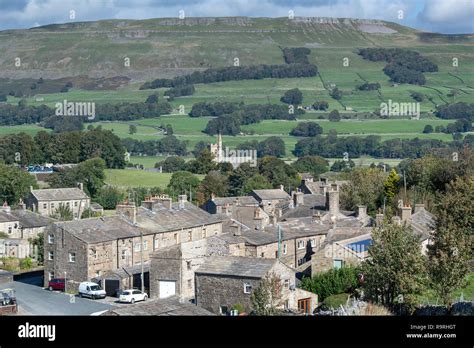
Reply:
x=34, y=300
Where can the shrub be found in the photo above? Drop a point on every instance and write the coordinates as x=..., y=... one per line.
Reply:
x=335, y=301
x=26, y=263
x=335, y=281
x=238, y=307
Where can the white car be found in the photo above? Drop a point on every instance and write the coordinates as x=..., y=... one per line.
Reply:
x=92, y=290
x=132, y=296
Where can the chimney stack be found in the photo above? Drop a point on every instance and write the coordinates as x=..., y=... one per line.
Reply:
x=379, y=219
x=298, y=198
x=332, y=200
x=181, y=201
x=80, y=185
x=282, y=187
x=236, y=229
x=362, y=214
x=316, y=218
x=6, y=208
x=396, y=220
x=406, y=213
x=419, y=207
x=21, y=204
x=129, y=210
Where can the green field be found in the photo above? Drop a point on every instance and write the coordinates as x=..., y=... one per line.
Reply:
x=124, y=178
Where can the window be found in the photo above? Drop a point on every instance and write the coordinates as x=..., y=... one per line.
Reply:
x=9, y=229
x=262, y=255
x=156, y=244
x=50, y=256
x=301, y=244
x=190, y=236
x=52, y=205
x=190, y=283
x=286, y=305
x=286, y=283
x=97, y=274
x=45, y=205
x=188, y=265
x=75, y=204
x=203, y=234
x=137, y=247
x=145, y=245
x=301, y=261
x=247, y=288
x=176, y=239
x=224, y=310
x=285, y=249
x=68, y=204
x=72, y=257
x=50, y=238
x=124, y=254
x=94, y=253
x=337, y=264
x=313, y=242
x=51, y=275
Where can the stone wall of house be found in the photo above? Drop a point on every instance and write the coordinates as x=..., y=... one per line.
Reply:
x=11, y=229
x=323, y=259
x=213, y=292
x=165, y=265
x=48, y=208
x=63, y=244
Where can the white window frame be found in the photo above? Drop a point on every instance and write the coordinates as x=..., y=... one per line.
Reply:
x=247, y=288
x=145, y=245
x=156, y=243
x=286, y=283
x=50, y=238
x=72, y=257
x=301, y=244
x=51, y=255
x=137, y=247
x=285, y=249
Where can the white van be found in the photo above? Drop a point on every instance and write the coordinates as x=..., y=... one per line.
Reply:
x=92, y=290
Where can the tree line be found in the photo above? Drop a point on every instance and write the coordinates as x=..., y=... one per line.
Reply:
x=168, y=145
x=404, y=66
x=236, y=73
x=371, y=146
x=67, y=147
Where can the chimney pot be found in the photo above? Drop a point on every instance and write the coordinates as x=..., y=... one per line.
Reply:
x=406, y=213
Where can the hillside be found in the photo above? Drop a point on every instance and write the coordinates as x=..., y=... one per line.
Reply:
x=169, y=47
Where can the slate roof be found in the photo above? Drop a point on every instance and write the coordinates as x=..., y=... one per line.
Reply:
x=423, y=222
x=59, y=194
x=160, y=307
x=242, y=200
x=98, y=230
x=7, y=217
x=161, y=219
x=251, y=267
x=108, y=228
x=271, y=194
x=29, y=219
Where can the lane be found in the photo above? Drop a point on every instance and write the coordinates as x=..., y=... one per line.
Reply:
x=34, y=300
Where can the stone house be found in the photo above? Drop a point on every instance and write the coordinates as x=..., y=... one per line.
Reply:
x=111, y=249
x=46, y=201
x=172, y=268
x=224, y=281
x=272, y=201
x=225, y=205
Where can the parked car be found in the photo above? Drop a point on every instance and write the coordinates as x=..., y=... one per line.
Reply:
x=7, y=297
x=56, y=284
x=92, y=290
x=132, y=296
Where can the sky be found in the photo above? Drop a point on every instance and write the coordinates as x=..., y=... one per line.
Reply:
x=443, y=16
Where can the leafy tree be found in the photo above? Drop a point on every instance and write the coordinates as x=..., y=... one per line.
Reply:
x=267, y=297
x=90, y=172
x=391, y=184
x=321, y=105
x=88, y=213
x=152, y=99
x=292, y=96
x=132, y=129
x=278, y=172
x=336, y=94
x=171, y=164
x=365, y=187
x=63, y=213
x=238, y=178
x=199, y=147
x=109, y=196
x=38, y=242
x=306, y=129
x=428, y=129
x=342, y=166
x=334, y=116
x=203, y=164
x=182, y=183
x=213, y=183
x=332, y=282
x=395, y=270
x=272, y=146
x=14, y=184
x=312, y=164
x=256, y=182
